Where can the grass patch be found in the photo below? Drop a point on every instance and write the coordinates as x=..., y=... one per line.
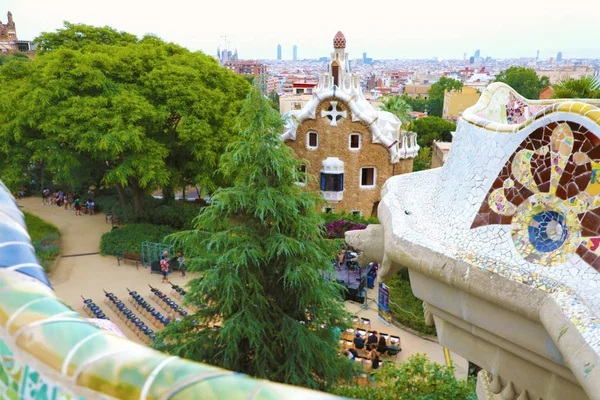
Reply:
x=404, y=306
x=45, y=238
x=129, y=238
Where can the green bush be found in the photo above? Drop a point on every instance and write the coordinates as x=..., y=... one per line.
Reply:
x=404, y=306
x=177, y=214
x=129, y=238
x=45, y=238
x=359, y=219
x=416, y=379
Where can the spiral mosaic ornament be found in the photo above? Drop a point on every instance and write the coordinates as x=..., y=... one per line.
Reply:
x=548, y=192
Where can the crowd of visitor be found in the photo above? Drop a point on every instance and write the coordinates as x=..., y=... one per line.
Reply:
x=71, y=201
x=375, y=346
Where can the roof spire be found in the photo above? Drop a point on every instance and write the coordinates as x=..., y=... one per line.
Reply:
x=339, y=41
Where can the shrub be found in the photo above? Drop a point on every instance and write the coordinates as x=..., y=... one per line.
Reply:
x=129, y=238
x=404, y=306
x=416, y=379
x=45, y=238
x=177, y=214
x=331, y=217
x=337, y=229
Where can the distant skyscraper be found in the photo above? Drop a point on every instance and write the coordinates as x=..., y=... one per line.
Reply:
x=279, y=52
x=559, y=56
x=364, y=56
x=537, y=57
x=464, y=56
x=471, y=60
x=477, y=53
x=295, y=53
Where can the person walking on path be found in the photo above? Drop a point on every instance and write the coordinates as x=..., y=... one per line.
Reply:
x=181, y=261
x=77, y=205
x=164, y=267
x=45, y=194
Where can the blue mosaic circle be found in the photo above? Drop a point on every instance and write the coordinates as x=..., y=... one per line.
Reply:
x=547, y=231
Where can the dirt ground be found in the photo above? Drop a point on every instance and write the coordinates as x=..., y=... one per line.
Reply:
x=78, y=273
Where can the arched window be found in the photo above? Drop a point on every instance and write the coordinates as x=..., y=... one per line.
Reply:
x=312, y=140
x=335, y=72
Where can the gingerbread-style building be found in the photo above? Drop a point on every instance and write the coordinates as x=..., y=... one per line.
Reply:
x=351, y=149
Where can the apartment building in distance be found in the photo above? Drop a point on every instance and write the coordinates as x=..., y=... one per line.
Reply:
x=246, y=67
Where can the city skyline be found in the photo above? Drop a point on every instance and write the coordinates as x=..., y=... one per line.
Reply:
x=442, y=36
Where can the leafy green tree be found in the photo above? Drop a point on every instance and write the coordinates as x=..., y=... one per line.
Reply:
x=423, y=160
x=147, y=113
x=78, y=36
x=274, y=97
x=586, y=87
x=524, y=80
x=436, y=94
x=417, y=379
x=261, y=252
x=416, y=104
x=397, y=106
x=429, y=129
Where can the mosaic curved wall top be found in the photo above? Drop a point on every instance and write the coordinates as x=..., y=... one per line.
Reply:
x=519, y=197
x=47, y=351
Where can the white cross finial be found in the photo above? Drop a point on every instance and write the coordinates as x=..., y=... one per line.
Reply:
x=333, y=114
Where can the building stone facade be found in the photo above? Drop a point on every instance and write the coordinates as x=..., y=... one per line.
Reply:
x=9, y=42
x=350, y=148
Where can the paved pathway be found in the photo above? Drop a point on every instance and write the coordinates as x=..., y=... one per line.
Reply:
x=87, y=275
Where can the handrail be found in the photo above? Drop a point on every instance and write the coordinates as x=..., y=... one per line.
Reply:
x=494, y=97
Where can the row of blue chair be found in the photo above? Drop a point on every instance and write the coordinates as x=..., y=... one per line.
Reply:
x=178, y=292
x=154, y=316
x=92, y=310
x=166, y=303
x=146, y=334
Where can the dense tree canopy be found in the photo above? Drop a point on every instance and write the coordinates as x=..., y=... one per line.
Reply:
x=524, y=80
x=397, y=106
x=79, y=36
x=586, y=87
x=416, y=379
x=429, y=129
x=436, y=94
x=139, y=113
x=261, y=252
x=416, y=104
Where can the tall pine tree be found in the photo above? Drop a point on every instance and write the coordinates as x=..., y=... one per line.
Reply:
x=261, y=252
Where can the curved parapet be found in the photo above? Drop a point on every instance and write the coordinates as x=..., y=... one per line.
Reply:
x=503, y=242
x=49, y=352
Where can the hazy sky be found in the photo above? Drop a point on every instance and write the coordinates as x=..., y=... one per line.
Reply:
x=382, y=28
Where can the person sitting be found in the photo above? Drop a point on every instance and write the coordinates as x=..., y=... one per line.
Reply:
x=359, y=342
x=393, y=349
x=348, y=354
x=354, y=352
x=372, y=340
x=382, y=345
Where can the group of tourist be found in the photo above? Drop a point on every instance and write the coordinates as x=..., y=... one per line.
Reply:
x=376, y=345
x=165, y=265
x=70, y=201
